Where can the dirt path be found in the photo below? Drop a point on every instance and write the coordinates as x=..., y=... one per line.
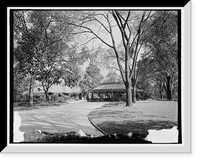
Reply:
x=63, y=118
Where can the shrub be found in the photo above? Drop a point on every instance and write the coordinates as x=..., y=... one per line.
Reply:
x=39, y=97
x=22, y=98
x=23, y=104
x=67, y=97
x=111, y=104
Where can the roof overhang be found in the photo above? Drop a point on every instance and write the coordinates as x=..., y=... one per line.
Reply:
x=108, y=90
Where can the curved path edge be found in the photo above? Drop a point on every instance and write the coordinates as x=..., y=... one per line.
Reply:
x=98, y=128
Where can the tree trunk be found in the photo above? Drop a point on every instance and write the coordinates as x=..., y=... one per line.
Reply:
x=31, y=91
x=128, y=93
x=134, y=94
x=30, y=97
x=169, y=91
x=92, y=97
x=47, y=96
x=134, y=90
x=161, y=95
x=161, y=91
x=46, y=91
x=80, y=96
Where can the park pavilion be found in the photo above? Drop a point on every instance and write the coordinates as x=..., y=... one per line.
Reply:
x=108, y=91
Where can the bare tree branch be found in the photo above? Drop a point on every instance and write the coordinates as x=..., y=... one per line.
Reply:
x=138, y=31
x=102, y=25
x=112, y=67
x=115, y=57
x=150, y=26
x=147, y=17
x=118, y=19
x=93, y=34
x=111, y=32
x=124, y=26
x=121, y=30
x=126, y=21
x=81, y=32
x=87, y=42
x=115, y=50
x=136, y=48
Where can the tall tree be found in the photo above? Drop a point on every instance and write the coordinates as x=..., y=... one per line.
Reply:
x=24, y=42
x=41, y=39
x=162, y=47
x=57, y=57
x=132, y=26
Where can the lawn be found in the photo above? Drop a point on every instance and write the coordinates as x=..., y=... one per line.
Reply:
x=137, y=119
x=24, y=106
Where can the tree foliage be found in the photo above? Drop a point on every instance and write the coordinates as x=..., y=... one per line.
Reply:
x=20, y=83
x=42, y=46
x=161, y=55
x=91, y=78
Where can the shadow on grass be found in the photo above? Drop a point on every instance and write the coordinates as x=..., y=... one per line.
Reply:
x=138, y=119
x=139, y=127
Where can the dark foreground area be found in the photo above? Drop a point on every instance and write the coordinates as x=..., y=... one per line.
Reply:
x=73, y=137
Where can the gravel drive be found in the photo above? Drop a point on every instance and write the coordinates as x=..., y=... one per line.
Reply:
x=58, y=119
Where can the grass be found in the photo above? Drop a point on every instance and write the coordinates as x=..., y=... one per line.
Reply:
x=37, y=105
x=139, y=118
x=23, y=108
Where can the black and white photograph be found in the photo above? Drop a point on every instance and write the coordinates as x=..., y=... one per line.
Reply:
x=95, y=76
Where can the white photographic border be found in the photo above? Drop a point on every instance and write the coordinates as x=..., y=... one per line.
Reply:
x=186, y=107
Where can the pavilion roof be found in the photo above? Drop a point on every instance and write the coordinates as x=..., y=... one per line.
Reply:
x=110, y=87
